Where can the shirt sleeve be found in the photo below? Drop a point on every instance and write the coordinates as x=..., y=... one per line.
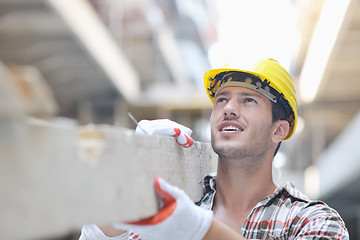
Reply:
x=321, y=222
x=92, y=232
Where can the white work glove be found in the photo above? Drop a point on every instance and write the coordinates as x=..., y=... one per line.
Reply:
x=178, y=219
x=92, y=232
x=166, y=127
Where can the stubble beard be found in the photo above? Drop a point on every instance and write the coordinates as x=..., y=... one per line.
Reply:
x=248, y=156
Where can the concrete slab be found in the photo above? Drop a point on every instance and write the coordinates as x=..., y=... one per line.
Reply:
x=56, y=178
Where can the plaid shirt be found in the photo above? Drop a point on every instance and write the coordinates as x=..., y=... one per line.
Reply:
x=285, y=214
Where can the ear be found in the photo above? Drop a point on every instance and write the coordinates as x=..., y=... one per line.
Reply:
x=281, y=130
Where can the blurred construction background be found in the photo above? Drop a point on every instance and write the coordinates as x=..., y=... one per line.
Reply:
x=93, y=61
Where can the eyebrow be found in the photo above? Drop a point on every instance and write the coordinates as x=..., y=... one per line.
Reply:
x=244, y=94
x=222, y=93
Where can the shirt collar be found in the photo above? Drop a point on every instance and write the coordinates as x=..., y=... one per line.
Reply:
x=210, y=187
x=289, y=188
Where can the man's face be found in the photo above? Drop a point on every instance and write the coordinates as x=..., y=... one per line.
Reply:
x=241, y=123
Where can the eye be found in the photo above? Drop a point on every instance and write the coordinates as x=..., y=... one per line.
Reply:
x=221, y=100
x=250, y=100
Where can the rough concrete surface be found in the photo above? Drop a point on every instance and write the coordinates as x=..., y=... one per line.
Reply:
x=56, y=177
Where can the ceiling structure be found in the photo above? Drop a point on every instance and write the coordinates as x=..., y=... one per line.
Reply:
x=158, y=54
x=336, y=45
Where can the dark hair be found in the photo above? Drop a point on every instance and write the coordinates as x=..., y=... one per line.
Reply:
x=278, y=113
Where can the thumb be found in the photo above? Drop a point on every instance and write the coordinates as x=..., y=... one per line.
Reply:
x=184, y=140
x=164, y=190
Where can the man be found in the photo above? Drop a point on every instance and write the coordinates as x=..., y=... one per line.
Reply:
x=253, y=112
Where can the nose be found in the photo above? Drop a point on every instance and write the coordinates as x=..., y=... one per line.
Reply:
x=231, y=108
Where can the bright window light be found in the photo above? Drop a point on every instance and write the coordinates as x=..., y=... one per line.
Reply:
x=321, y=46
x=247, y=32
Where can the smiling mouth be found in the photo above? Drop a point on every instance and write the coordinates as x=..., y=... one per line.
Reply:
x=230, y=129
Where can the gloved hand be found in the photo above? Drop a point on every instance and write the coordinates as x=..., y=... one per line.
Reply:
x=178, y=219
x=168, y=128
x=93, y=232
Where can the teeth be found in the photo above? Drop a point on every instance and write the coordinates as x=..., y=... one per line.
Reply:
x=230, y=128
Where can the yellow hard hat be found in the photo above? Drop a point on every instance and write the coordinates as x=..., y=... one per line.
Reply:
x=267, y=77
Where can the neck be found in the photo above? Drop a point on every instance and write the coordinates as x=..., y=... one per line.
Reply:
x=242, y=184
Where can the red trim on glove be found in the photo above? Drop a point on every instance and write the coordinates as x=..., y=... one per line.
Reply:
x=168, y=209
x=188, y=143
x=177, y=132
